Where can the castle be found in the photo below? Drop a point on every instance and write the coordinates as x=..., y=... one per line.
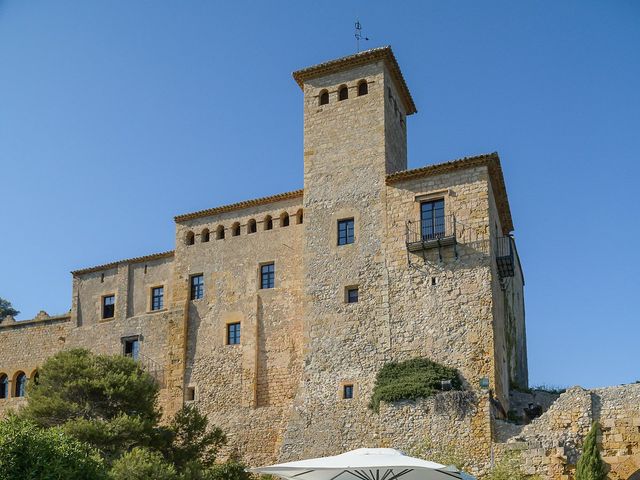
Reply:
x=274, y=315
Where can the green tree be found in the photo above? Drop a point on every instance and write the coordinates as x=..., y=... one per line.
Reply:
x=231, y=470
x=7, y=309
x=192, y=440
x=142, y=464
x=106, y=401
x=590, y=466
x=31, y=453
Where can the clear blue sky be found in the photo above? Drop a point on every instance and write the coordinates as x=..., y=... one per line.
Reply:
x=116, y=115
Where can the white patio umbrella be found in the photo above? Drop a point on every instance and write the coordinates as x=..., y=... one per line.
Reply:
x=364, y=464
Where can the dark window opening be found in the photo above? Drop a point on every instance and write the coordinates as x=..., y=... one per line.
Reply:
x=219, y=232
x=233, y=334
x=300, y=217
x=108, y=306
x=324, y=97
x=131, y=347
x=268, y=276
x=4, y=386
x=191, y=394
x=190, y=239
x=35, y=378
x=157, y=298
x=352, y=295
x=284, y=219
x=21, y=385
x=197, y=287
x=346, y=231
x=347, y=392
x=343, y=93
x=363, y=88
x=235, y=229
x=268, y=223
x=204, y=236
x=251, y=226
x=432, y=219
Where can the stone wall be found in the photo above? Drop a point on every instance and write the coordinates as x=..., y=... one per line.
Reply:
x=551, y=444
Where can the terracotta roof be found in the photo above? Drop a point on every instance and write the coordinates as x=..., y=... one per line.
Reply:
x=361, y=58
x=490, y=160
x=237, y=206
x=153, y=256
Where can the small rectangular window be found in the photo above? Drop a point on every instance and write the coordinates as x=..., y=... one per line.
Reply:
x=108, y=306
x=131, y=347
x=347, y=392
x=352, y=295
x=346, y=230
x=157, y=298
x=191, y=394
x=268, y=276
x=197, y=287
x=233, y=334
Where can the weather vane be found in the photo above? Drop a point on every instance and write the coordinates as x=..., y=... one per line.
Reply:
x=359, y=36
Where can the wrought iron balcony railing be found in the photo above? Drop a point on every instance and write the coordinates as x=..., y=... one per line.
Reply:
x=436, y=233
x=152, y=367
x=505, y=257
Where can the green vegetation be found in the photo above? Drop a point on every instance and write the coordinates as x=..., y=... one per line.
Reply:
x=7, y=309
x=410, y=380
x=509, y=467
x=538, y=388
x=590, y=465
x=142, y=464
x=96, y=416
x=446, y=454
x=31, y=453
x=108, y=402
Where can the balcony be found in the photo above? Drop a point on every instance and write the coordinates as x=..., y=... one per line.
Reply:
x=440, y=232
x=505, y=257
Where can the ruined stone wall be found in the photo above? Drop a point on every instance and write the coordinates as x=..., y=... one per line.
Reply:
x=245, y=389
x=551, y=445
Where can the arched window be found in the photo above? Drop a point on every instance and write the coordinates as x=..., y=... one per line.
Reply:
x=363, y=88
x=251, y=226
x=21, y=385
x=343, y=93
x=35, y=377
x=299, y=217
x=220, y=232
x=4, y=386
x=268, y=222
x=324, y=97
x=284, y=219
x=190, y=239
x=204, y=236
x=235, y=229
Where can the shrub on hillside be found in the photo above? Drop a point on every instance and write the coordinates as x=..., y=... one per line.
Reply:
x=142, y=464
x=410, y=380
x=31, y=453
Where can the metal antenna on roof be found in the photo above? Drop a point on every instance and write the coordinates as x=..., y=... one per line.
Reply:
x=359, y=36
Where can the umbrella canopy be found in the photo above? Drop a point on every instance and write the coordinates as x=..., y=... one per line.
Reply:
x=364, y=464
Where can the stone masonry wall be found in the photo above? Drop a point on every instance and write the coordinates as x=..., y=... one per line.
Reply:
x=551, y=445
x=246, y=389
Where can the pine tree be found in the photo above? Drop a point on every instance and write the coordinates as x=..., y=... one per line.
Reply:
x=590, y=466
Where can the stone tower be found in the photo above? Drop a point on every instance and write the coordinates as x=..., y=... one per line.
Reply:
x=355, y=111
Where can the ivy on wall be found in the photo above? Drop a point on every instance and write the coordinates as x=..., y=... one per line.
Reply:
x=410, y=380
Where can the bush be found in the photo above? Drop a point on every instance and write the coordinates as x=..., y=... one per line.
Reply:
x=142, y=464
x=509, y=467
x=230, y=470
x=590, y=466
x=410, y=380
x=30, y=453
